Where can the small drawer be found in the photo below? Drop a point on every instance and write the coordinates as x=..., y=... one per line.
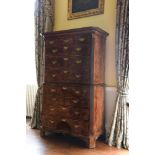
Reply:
x=52, y=92
x=49, y=123
x=64, y=112
x=66, y=41
x=81, y=50
x=80, y=63
x=66, y=50
x=80, y=127
x=76, y=128
x=53, y=51
x=52, y=74
x=78, y=76
x=54, y=62
x=76, y=114
x=84, y=38
x=51, y=42
x=82, y=91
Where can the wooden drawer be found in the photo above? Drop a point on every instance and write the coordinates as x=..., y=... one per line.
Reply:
x=80, y=128
x=67, y=75
x=53, y=62
x=48, y=122
x=52, y=90
x=84, y=38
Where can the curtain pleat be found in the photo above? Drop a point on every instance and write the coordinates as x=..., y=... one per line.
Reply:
x=119, y=130
x=44, y=22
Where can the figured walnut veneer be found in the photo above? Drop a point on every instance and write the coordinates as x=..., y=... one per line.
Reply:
x=72, y=92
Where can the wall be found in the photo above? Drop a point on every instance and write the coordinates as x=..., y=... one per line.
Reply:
x=105, y=21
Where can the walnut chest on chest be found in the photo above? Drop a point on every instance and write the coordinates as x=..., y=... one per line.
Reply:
x=72, y=92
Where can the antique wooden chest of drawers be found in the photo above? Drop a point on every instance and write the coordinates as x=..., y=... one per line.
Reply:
x=72, y=92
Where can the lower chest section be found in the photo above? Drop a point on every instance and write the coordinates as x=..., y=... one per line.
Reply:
x=66, y=108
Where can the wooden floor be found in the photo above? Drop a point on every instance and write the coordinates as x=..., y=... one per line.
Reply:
x=56, y=144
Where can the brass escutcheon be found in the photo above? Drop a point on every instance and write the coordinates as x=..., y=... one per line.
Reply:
x=81, y=39
x=54, y=50
x=78, y=49
x=51, y=42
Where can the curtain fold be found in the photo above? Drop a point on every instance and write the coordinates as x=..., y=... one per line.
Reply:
x=119, y=130
x=44, y=22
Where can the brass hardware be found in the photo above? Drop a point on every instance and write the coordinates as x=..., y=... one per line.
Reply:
x=76, y=113
x=53, y=90
x=65, y=47
x=75, y=101
x=64, y=88
x=52, y=109
x=66, y=59
x=82, y=39
x=77, y=75
x=54, y=50
x=52, y=122
x=66, y=41
x=53, y=75
x=78, y=49
x=63, y=120
x=77, y=92
x=54, y=99
x=63, y=108
x=78, y=61
x=76, y=126
x=54, y=62
x=51, y=42
x=65, y=72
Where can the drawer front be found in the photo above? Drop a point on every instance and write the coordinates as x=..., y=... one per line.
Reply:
x=48, y=121
x=80, y=128
x=67, y=75
x=70, y=45
x=68, y=62
x=69, y=50
x=84, y=38
x=66, y=90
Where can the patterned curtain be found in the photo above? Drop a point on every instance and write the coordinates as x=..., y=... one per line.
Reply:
x=119, y=130
x=44, y=22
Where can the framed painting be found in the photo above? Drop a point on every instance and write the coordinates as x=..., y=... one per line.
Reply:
x=84, y=8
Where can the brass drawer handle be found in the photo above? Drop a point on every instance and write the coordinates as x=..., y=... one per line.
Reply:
x=82, y=39
x=66, y=41
x=65, y=72
x=75, y=101
x=53, y=90
x=63, y=120
x=76, y=126
x=65, y=47
x=78, y=49
x=66, y=59
x=54, y=62
x=78, y=61
x=63, y=108
x=53, y=75
x=54, y=99
x=64, y=88
x=78, y=76
x=52, y=122
x=51, y=42
x=76, y=113
x=52, y=109
x=54, y=50
x=77, y=92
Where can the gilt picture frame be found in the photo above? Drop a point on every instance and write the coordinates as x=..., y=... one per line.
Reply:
x=84, y=8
